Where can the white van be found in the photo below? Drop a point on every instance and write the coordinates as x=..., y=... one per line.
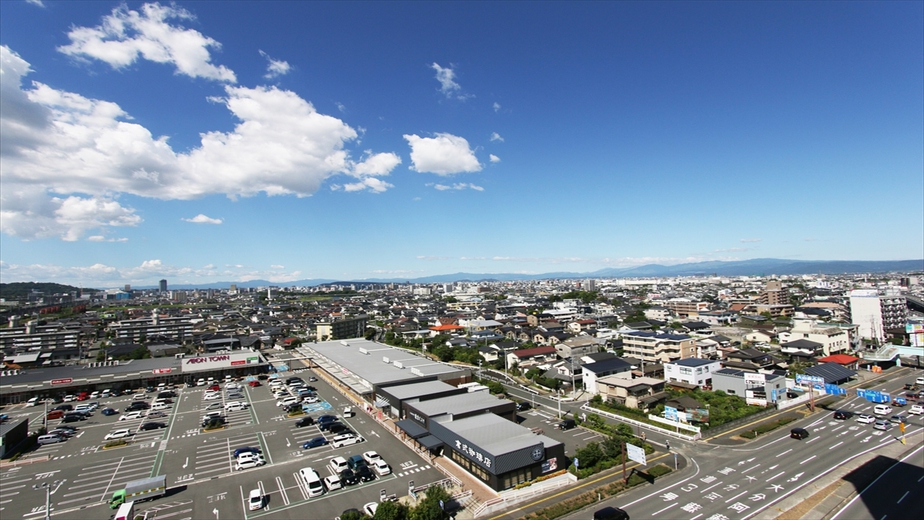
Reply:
x=345, y=440
x=50, y=439
x=312, y=482
x=882, y=409
x=160, y=406
x=32, y=402
x=236, y=406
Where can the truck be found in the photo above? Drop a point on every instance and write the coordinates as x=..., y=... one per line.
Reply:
x=138, y=490
x=126, y=512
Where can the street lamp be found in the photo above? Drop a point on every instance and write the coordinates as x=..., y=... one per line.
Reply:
x=47, y=488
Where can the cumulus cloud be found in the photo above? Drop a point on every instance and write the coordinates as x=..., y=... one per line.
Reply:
x=57, y=143
x=458, y=186
x=275, y=68
x=496, y=106
x=126, y=35
x=444, y=154
x=493, y=158
x=202, y=219
x=496, y=137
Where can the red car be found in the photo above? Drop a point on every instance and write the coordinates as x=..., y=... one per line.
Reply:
x=55, y=414
x=215, y=388
x=254, y=383
x=83, y=396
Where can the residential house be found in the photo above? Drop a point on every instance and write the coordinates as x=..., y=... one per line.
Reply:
x=592, y=371
x=692, y=371
x=530, y=356
x=641, y=392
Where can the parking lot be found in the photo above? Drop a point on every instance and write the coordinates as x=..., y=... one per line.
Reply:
x=202, y=476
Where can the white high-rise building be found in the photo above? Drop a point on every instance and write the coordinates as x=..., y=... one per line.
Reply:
x=874, y=314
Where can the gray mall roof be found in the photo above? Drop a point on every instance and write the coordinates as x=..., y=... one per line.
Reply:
x=366, y=359
x=413, y=390
x=459, y=404
x=494, y=434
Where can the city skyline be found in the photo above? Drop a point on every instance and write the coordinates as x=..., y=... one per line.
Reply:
x=206, y=141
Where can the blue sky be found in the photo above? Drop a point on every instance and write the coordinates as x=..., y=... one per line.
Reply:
x=230, y=141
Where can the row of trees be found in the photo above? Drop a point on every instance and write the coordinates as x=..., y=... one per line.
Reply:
x=427, y=509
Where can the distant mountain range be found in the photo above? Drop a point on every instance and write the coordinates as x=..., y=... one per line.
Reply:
x=755, y=267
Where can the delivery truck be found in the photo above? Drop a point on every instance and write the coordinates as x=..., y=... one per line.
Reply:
x=138, y=490
x=126, y=512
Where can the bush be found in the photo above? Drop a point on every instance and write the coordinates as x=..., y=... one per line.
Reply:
x=659, y=470
x=768, y=427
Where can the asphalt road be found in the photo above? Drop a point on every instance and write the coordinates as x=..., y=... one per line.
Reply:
x=200, y=471
x=743, y=482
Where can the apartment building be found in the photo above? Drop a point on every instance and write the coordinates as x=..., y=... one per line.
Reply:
x=656, y=347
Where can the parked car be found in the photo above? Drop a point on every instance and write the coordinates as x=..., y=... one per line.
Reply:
x=253, y=384
x=371, y=457
x=326, y=419
x=345, y=440
x=118, y=434
x=522, y=406
x=567, y=424
x=370, y=508
x=255, y=500
x=152, y=426
x=314, y=443
x=381, y=467
x=365, y=474
x=55, y=414
x=139, y=397
x=246, y=449
x=348, y=477
x=131, y=416
x=338, y=464
x=304, y=421
x=356, y=461
x=336, y=428
x=250, y=462
x=73, y=417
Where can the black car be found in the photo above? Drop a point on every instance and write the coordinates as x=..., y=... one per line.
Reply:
x=365, y=474
x=610, y=513
x=109, y=411
x=246, y=449
x=213, y=422
x=523, y=406
x=262, y=377
x=348, y=477
x=842, y=415
x=328, y=426
x=73, y=417
x=326, y=419
x=67, y=431
x=338, y=428
x=165, y=395
x=798, y=433
x=567, y=424
x=304, y=421
x=152, y=426
x=314, y=443
x=292, y=408
x=137, y=405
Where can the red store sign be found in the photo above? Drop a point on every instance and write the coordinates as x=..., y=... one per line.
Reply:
x=63, y=381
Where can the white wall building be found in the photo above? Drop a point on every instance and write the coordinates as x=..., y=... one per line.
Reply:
x=693, y=371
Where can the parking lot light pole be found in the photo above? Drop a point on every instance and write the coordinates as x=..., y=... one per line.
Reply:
x=47, y=487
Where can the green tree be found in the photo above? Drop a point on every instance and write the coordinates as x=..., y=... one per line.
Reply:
x=429, y=507
x=352, y=515
x=391, y=511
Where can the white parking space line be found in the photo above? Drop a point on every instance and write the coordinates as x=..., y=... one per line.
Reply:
x=282, y=491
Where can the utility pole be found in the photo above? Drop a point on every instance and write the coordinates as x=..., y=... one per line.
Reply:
x=47, y=488
x=559, y=403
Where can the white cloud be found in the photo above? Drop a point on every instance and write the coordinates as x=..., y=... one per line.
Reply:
x=447, y=78
x=444, y=154
x=39, y=3
x=57, y=142
x=340, y=107
x=493, y=158
x=126, y=35
x=202, y=219
x=496, y=106
x=751, y=240
x=458, y=186
x=275, y=68
x=101, y=238
x=496, y=137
